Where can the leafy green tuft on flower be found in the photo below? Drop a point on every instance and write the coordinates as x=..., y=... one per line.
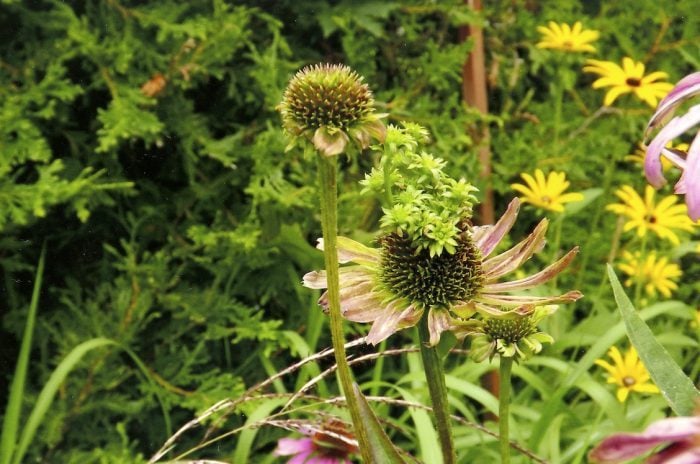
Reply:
x=329, y=105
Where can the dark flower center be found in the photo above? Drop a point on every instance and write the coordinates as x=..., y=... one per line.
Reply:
x=633, y=82
x=510, y=330
x=328, y=96
x=431, y=281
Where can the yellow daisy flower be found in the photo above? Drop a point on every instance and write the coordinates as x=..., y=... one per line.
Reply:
x=663, y=218
x=629, y=373
x=566, y=38
x=655, y=273
x=546, y=193
x=628, y=78
x=640, y=153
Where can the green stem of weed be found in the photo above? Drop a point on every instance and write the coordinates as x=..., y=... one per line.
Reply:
x=435, y=376
x=327, y=179
x=504, y=407
x=558, y=99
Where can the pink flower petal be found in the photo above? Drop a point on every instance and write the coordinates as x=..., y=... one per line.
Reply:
x=676, y=127
x=684, y=89
x=439, y=321
x=623, y=446
x=691, y=180
x=684, y=452
x=488, y=239
x=289, y=446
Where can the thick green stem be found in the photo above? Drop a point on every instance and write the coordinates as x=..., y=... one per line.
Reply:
x=504, y=407
x=329, y=224
x=435, y=376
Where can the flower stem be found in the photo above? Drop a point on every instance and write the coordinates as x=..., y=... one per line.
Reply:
x=503, y=408
x=327, y=175
x=435, y=376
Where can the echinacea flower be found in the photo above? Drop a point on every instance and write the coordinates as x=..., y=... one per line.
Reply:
x=393, y=286
x=329, y=105
x=329, y=444
x=654, y=273
x=639, y=155
x=546, y=193
x=517, y=338
x=567, y=38
x=688, y=160
x=628, y=373
x=663, y=219
x=628, y=78
x=680, y=437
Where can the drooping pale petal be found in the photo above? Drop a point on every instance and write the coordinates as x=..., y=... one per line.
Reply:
x=510, y=260
x=625, y=446
x=534, y=280
x=489, y=239
x=497, y=299
x=350, y=275
x=391, y=320
x=439, y=320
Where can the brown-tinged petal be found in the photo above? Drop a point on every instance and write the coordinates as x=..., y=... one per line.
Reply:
x=439, y=320
x=534, y=280
x=500, y=300
x=391, y=321
x=495, y=312
x=366, y=307
x=350, y=275
x=487, y=240
x=510, y=260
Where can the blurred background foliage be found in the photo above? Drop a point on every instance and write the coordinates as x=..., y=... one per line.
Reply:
x=139, y=140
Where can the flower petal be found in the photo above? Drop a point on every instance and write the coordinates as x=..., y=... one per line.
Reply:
x=491, y=237
x=686, y=88
x=510, y=260
x=624, y=446
x=289, y=446
x=439, y=321
x=350, y=250
x=391, y=321
x=534, y=280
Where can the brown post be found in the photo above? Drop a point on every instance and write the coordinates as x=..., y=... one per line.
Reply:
x=474, y=94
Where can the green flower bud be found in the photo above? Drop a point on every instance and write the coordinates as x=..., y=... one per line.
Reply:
x=329, y=105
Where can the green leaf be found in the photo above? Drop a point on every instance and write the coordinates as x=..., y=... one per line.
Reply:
x=14, y=403
x=381, y=448
x=47, y=394
x=676, y=387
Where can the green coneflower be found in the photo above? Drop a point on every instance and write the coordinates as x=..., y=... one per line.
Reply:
x=329, y=105
x=394, y=285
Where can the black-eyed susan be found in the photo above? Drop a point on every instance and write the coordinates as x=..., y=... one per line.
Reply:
x=546, y=192
x=655, y=273
x=628, y=373
x=393, y=286
x=567, y=38
x=628, y=78
x=329, y=105
x=664, y=219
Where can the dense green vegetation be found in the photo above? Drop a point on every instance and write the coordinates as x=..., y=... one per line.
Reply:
x=141, y=146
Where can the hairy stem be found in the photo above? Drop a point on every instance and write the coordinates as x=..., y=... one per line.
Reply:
x=435, y=376
x=327, y=167
x=504, y=407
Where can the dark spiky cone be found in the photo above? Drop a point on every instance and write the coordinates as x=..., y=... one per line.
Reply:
x=510, y=330
x=438, y=281
x=330, y=105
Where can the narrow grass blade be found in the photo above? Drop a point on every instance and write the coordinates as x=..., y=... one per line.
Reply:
x=381, y=448
x=48, y=393
x=13, y=411
x=676, y=387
